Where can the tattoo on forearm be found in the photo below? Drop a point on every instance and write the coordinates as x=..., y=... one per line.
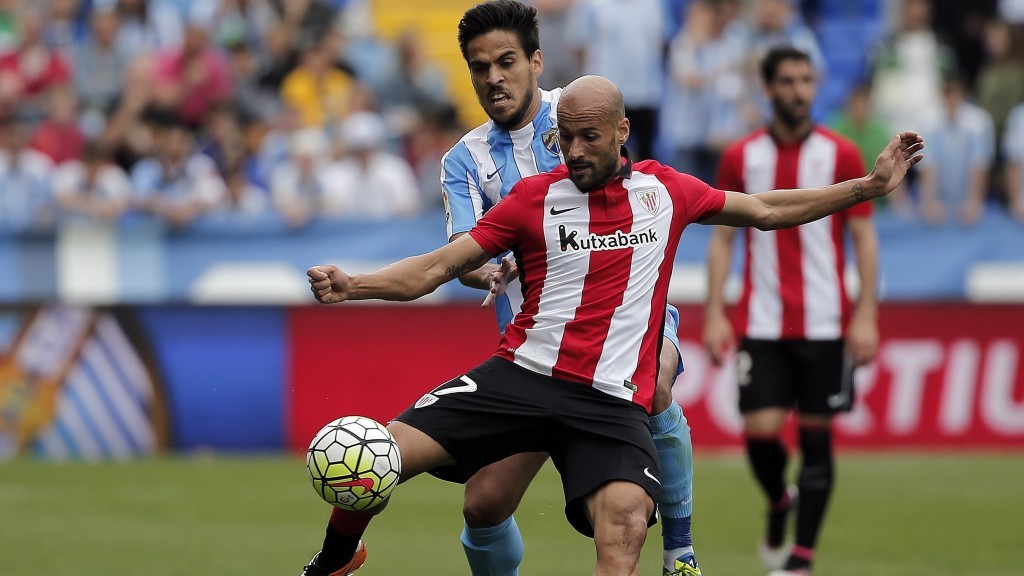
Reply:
x=467, y=266
x=858, y=192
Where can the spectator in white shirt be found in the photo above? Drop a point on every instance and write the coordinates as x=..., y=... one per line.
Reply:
x=26, y=201
x=296, y=184
x=961, y=147
x=624, y=41
x=1013, y=152
x=179, y=183
x=93, y=187
x=369, y=181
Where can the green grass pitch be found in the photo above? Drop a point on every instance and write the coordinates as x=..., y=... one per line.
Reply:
x=891, y=515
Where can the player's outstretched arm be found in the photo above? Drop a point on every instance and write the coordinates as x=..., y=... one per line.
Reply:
x=786, y=208
x=407, y=279
x=479, y=278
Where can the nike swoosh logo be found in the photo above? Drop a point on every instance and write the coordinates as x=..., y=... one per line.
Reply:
x=837, y=400
x=647, y=472
x=491, y=175
x=470, y=386
x=366, y=483
x=556, y=212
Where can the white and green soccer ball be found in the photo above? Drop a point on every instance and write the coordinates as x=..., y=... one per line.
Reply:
x=354, y=463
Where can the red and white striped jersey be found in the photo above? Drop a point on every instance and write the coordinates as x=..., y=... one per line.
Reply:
x=595, y=270
x=793, y=284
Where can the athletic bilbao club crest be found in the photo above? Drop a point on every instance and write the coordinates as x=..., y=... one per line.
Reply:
x=550, y=140
x=425, y=400
x=649, y=197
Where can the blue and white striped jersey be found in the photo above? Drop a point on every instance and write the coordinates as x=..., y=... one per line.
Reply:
x=484, y=166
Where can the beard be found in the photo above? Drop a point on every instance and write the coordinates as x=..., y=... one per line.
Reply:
x=792, y=116
x=598, y=175
x=520, y=113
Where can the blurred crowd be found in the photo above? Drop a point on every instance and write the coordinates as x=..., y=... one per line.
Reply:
x=177, y=109
x=949, y=69
x=181, y=108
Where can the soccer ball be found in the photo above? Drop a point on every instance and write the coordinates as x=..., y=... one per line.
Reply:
x=354, y=463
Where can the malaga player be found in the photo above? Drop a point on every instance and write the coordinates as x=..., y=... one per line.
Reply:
x=575, y=372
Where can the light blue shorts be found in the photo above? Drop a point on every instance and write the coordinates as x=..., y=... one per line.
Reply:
x=671, y=329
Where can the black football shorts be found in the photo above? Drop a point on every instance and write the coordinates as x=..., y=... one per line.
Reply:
x=498, y=409
x=803, y=374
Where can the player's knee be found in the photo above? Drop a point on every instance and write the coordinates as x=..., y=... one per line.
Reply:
x=816, y=443
x=662, y=398
x=485, y=508
x=621, y=532
x=620, y=512
x=764, y=423
x=818, y=469
x=622, y=525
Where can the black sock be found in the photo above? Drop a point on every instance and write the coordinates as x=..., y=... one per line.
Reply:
x=815, y=484
x=337, y=550
x=796, y=563
x=768, y=460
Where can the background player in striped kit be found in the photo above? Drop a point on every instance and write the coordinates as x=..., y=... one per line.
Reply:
x=793, y=312
x=575, y=372
x=499, y=41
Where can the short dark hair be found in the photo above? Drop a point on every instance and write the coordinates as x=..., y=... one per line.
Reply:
x=510, y=15
x=778, y=55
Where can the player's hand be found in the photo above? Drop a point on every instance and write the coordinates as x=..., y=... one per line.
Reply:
x=328, y=284
x=499, y=279
x=862, y=338
x=902, y=152
x=718, y=337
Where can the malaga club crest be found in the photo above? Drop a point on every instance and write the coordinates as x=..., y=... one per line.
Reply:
x=73, y=384
x=550, y=140
x=649, y=197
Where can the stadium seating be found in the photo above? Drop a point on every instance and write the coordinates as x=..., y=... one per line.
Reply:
x=436, y=21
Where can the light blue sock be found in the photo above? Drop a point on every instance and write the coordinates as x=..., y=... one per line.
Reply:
x=496, y=551
x=672, y=439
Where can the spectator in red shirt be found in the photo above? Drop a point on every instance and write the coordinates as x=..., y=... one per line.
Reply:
x=31, y=69
x=59, y=136
x=193, y=78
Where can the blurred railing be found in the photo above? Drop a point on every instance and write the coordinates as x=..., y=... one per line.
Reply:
x=221, y=260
